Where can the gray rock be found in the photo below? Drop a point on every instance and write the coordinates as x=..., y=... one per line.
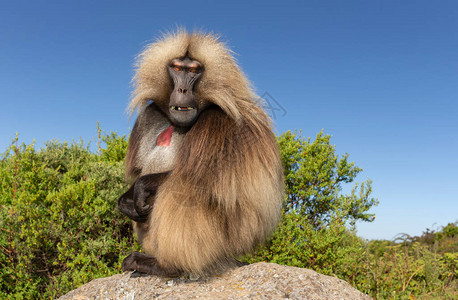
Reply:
x=256, y=281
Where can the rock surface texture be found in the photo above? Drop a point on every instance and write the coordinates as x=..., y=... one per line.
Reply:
x=256, y=281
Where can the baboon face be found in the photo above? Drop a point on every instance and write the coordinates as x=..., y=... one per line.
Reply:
x=183, y=106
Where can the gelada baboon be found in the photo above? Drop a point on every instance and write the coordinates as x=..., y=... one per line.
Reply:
x=206, y=172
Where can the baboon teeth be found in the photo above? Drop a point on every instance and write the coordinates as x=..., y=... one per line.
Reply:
x=182, y=108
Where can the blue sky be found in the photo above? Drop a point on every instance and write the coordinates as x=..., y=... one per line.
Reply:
x=380, y=76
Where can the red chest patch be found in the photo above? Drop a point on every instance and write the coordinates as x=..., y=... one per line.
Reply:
x=165, y=137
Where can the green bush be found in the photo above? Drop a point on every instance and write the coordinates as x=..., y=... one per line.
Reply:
x=316, y=230
x=409, y=271
x=59, y=221
x=60, y=227
x=333, y=250
x=314, y=176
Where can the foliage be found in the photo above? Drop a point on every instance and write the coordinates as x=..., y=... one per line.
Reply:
x=333, y=250
x=443, y=241
x=313, y=232
x=60, y=227
x=59, y=222
x=314, y=175
x=414, y=267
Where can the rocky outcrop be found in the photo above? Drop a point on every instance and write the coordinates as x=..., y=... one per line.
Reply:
x=256, y=281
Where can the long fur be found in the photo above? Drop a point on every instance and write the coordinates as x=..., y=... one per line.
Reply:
x=223, y=196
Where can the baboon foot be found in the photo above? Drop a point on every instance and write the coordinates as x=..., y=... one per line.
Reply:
x=147, y=264
x=241, y=263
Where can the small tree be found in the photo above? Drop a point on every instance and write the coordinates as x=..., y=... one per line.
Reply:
x=312, y=232
x=314, y=175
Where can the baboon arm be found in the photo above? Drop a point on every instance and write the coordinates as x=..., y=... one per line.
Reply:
x=134, y=203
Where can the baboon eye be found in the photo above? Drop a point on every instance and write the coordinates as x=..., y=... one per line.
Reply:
x=192, y=70
x=177, y=66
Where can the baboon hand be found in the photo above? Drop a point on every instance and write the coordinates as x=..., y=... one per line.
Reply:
x=137, y=203
x=143, y=190
x=126, y=204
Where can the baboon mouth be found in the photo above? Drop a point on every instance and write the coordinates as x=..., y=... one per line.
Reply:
x=181, y=108
x=183, y=116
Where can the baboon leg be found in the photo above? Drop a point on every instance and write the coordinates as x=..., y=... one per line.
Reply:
x=144, y=263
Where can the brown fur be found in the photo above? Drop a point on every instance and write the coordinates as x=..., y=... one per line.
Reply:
x=224, y=192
